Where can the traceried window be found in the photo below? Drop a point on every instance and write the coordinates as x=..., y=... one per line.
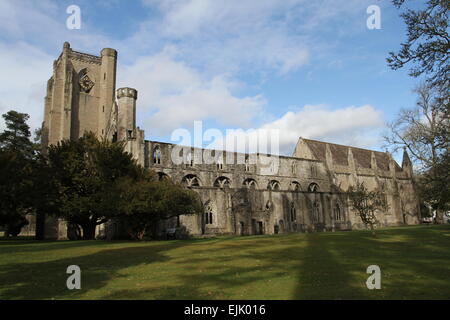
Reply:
x=190, y=180
x=208, y=215
x=250, y=183
x=222, y=182
x=295, y=186
x=337, y=212
x=274, y=185
x=313, y=187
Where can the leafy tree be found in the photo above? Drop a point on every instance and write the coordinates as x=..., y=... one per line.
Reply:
x=17, y=156
x=434, y=186
x=84, y=173
x=15, y=186
x=16, y=136
x=367, y=203
x=428, y=43
x=147, y=201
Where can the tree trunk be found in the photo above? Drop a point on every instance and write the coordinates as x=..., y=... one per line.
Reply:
x=89, y=231
x=439, y=216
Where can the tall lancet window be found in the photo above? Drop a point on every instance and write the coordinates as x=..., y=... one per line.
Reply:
x=157, y=155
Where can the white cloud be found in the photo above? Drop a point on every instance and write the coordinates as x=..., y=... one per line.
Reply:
x=196, y=79
x=25, y=70
x=355, y=126
x=173, y=95
x=350, y=125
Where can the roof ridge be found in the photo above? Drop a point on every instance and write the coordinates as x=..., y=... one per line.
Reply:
x=346, y=146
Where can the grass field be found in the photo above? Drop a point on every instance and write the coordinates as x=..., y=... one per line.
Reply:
x=414, y=262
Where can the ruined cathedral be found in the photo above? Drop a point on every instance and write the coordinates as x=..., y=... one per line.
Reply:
x=305, y=194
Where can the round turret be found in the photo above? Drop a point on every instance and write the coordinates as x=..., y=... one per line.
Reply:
x=126, y=92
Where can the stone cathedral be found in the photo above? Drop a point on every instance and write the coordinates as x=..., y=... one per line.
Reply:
x=306, y=193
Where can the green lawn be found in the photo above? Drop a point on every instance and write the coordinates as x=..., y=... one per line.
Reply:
x=414, y=262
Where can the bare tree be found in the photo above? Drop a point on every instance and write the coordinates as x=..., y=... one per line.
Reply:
x=367, y=204
x=424, y=131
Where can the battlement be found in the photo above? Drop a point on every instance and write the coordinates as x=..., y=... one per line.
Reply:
x=126, y=92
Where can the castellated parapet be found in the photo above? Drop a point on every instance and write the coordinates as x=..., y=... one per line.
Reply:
x=306, y=193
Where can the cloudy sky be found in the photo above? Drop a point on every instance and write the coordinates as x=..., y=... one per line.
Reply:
x=308, y=68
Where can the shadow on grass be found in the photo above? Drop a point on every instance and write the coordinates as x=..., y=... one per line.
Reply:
x=47, y=280
x=413, y=261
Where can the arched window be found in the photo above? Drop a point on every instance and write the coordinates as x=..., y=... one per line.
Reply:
x=208, y=215
x=250, y=183
x=337, y=212
x=190, y=180
x=274, y=185
x=295, y=186
x=313, y=187
x=222, y=182
x=269, y=205
x=157, y=155
x=293, y=212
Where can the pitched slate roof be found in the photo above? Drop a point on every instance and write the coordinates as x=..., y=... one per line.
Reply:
x=339, y=154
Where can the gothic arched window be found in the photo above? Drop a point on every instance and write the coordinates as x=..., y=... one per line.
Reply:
x=190, y=180
x=295, y=186
x=313, y=187
x=274, y=185
x=209, y=213
x=250, y=183
x=222, y=182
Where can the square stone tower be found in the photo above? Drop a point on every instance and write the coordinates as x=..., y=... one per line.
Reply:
x=80, y=96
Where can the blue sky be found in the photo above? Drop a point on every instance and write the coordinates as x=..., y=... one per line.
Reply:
x=307, y=68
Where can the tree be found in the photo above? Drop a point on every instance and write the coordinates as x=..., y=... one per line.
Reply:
x=147, y=201
x=367, y=203
x=423, y=131
x=17, y=135
x=427, y=47
x=434, y=186
x=17, y=156
x=84, y=174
